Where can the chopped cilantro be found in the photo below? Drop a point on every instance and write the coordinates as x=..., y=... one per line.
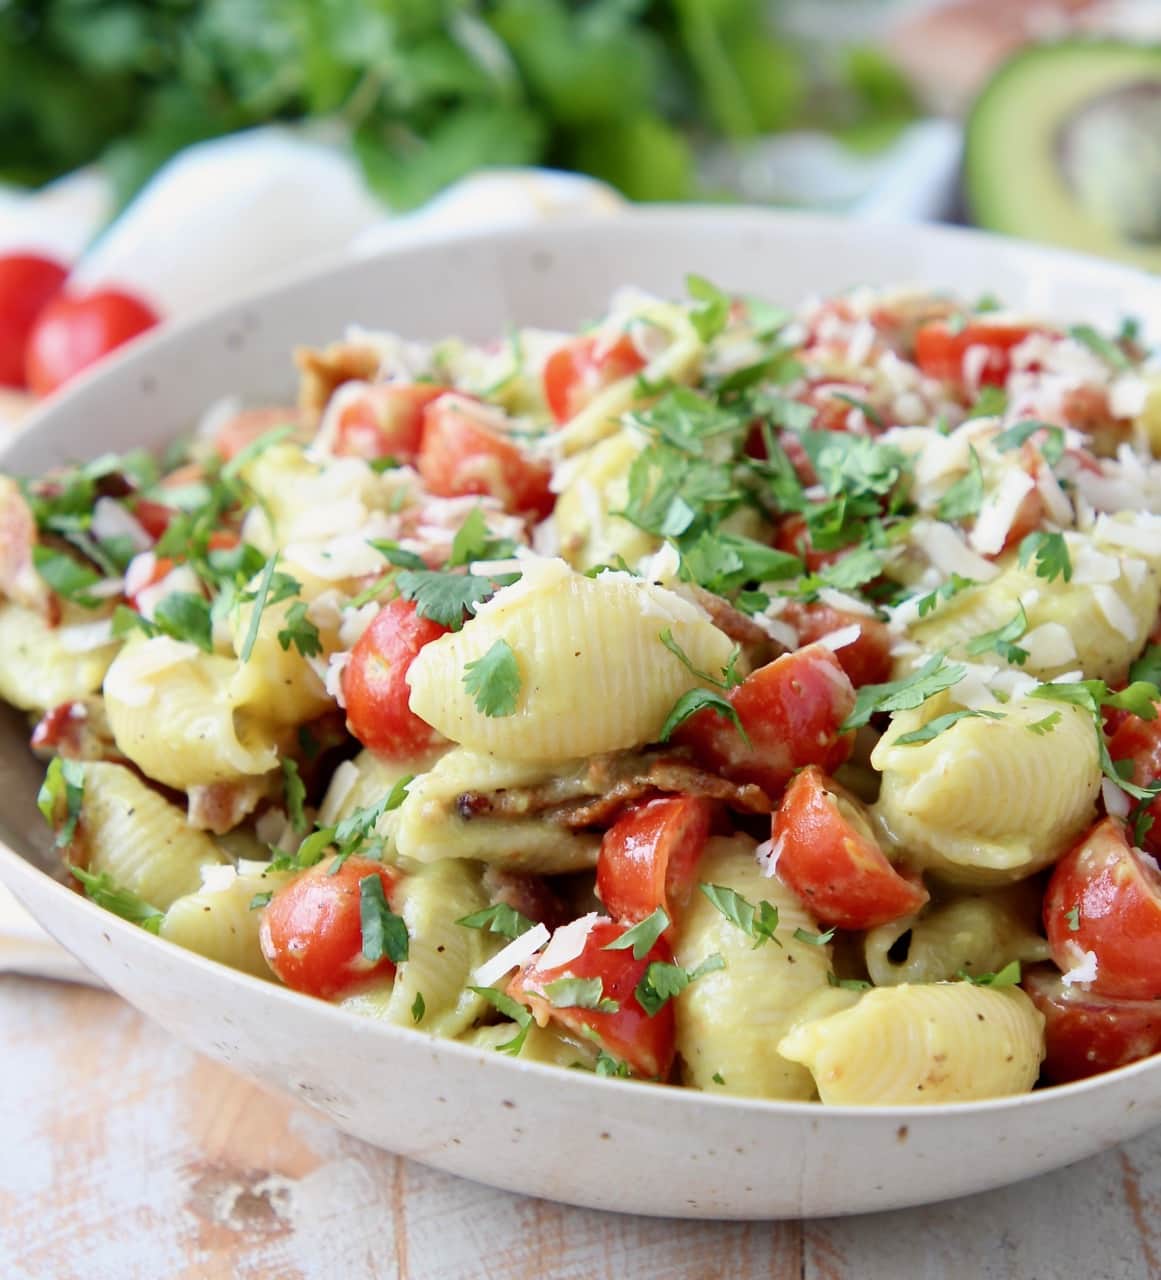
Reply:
x=510, y=1008
x=868, y=411
x=723, y=562
x=757, y=922
x=847, y=984
x=607, y=1065
x=185, y=616
x=941, y=724
x=384, y=933
x=1142, y=825
x=444, y=597
x=661, y=982
x=1102, y=347
x=63, y=785
x=500, y=918
x=944, y=592
x=300, y=632
x=727, y=680
x=1052, y=446
x=1041, y=727
x=418, y=1008
x=712, y=316
x=1001, y=640
x=260, y=594
x=65, y=576
x=579, y=993
x=1050, y=551
x=906, y=693
x=105, y=892
x=695, y=700
x=718, y=1078
x=260, y=900
x=493, y=680
x=295, y=793
x=1008, y=976
x=1073, y=919
x=964, y=498
x=474, y=541
x=990, y=403
x=814, y=939
x=1148, y=666
x=642, y=936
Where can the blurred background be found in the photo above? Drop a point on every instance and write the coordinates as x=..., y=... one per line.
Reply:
x=173, y=150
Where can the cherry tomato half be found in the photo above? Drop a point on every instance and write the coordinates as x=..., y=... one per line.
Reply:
x=1140, y=741
x=649, y=855
x=374, y=683
x=464, y=451
x=646, y=1043
x=384, y=420
x=866, y=660
x=1112, y=895
x=28, y=282
x=791, y=710
x=1086, y=1034
x=576, y=373
x=940, y=353
x=311, y=930
x=241, y=430
x=828, y=854
x=75, y=330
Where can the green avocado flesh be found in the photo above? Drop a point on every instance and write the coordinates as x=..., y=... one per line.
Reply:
x=1064, y=145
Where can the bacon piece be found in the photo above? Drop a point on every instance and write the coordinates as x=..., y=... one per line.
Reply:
x=758, y=647
x=220, y=806
x=529, y=894
x=323, y=371
x=78, y=731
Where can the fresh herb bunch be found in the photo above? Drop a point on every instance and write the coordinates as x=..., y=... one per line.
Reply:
x=425, y=91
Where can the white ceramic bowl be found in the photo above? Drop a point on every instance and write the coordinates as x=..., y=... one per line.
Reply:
x=566, y=1136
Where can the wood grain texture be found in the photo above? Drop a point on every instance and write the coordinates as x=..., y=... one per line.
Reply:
x=127, y=1156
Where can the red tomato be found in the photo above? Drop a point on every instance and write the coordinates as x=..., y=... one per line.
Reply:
x=385, y=420
x=828, y=854
x=153, y=517
x=832, y=412
x=75, y=330
x=866, y=660
x=645, y=1043
x=28, y=282
x=241, y=430
x=793, y=537
x=464, y=451
x=312, y=933
x=1086, y=1034
x=1140, y=741
x=578, y=372
x=374, y=683
x=1116, y=896
x=939, y=352
x=791, y=710
x=648, y=856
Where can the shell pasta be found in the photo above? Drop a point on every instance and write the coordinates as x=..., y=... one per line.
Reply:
x=756, y=701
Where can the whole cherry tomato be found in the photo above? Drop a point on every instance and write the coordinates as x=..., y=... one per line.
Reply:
x=76, y=330
x=28, y=282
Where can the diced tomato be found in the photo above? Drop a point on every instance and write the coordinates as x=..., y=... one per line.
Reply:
x=57, y=726
x=153, y=517
x=1086, y=1034
x=648, y=856
x=1140, y=741
x=384, y=420
x=791, y=710
x=576, y=373
x=75, y=330
x=627, y=1032
x=940, y=353
x=866, y=660
x=374, y=683
x=311, y=930
x=828, y=854
x=1112, y=895
x=28, y=282
x=464, y=451
x=241, y=430
x=793, y=537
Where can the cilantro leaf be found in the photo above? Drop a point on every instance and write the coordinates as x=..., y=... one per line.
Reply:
x=444, y=597
x=642, y=936
x=814, y=939
x=941, y=724
x=493, y=680
x=1142, y=825
x=661, y=982
x=1008, y=976
x=260, y=594
x=66, y=577
x=607, y=1065
x=1050, y=552
x=944, y=592
x=964, y=498
x=906, y=693
x=295, y=793
x=847, y=984
x=695, y=700
x=299, y=631
x=1041, y=727
x=474, y=541
x=260, y=900
x=503, y=1003
x=63, y=785
x=500, y=918
x=105, y=892
x=1073, y=919
x=718, y=1078
x=1148, y=666
x=990, y=403
x=1051, y=447
x=1001, y=640
x=868, y=411
x=713, y=315
x=758, y=922
x=579, y=993
x=384, y=933
x=723, y=562
x=418, y=1008
x=1102, y=347
x=185, y=616
x=729, y=677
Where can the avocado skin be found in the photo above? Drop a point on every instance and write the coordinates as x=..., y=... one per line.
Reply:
x=1015, y=176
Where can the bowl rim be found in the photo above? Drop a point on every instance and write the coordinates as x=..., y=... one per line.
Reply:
x=643, y=221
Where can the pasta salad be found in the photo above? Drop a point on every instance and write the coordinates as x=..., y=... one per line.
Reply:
x=756, y=700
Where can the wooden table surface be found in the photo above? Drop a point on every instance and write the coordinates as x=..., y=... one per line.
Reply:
x=125, y=1155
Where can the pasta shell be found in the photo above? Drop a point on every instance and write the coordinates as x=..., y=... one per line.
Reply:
x=221, y=924
x=37, y=669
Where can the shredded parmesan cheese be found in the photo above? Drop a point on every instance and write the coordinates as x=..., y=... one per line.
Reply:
x=514, y=954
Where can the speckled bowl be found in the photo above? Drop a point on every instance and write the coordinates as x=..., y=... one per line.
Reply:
x=564, y=1135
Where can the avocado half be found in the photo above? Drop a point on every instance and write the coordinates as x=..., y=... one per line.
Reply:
x=1064, y=145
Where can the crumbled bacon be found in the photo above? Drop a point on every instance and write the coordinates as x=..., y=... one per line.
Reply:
x=322, y=372
x=529, y=894
x=76, y=730
x=220, y=806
